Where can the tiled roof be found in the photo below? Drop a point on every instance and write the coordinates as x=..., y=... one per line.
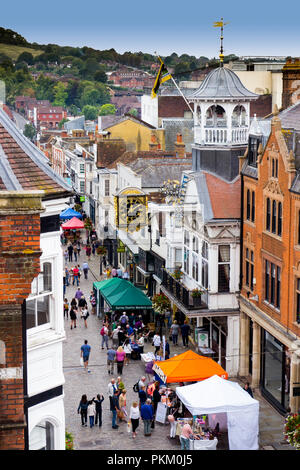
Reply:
x=23, y=166
x=224, y=197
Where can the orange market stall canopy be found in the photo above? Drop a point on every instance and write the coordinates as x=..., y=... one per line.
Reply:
x=188, y=367
x=72, y=224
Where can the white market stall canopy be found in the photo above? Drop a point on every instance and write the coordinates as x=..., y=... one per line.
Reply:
x=216, y=395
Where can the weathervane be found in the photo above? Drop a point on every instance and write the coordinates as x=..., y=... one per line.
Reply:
x=221, y=24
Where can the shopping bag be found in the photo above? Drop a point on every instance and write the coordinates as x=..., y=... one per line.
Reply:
x=81, y=361
x=129, y=426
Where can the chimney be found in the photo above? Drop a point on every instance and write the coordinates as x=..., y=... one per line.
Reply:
x=153, y=145
x=179, y=147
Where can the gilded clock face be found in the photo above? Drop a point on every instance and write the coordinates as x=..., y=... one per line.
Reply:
x=132, y=211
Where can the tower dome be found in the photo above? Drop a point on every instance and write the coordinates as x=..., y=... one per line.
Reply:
x=221, y=109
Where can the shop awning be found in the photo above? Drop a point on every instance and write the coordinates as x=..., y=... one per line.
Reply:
x=188, y=367
x=121, y=294
x=69, y=213
x=72, y=224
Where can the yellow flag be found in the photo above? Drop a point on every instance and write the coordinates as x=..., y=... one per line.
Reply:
x=218, y=24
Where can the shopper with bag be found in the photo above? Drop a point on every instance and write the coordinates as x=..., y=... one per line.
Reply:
x=134, y=417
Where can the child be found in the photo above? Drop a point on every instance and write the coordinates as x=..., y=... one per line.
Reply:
x=66, y=308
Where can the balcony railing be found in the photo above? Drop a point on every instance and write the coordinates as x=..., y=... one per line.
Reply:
x=181, y=293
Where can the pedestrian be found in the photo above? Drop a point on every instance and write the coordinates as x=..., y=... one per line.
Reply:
x=174, y=332
x=186, y=434
x=141, y=343
x=149, y=370
x=73, y=316
x=123, y=319
x=111, y=356
x=115, y=407
x=85, y=268
x=76, y=275
x=78, y=294
x=82, y=303
x=67, y=276
x=108, y=273
x=66, y=308
x=120, y=385
x=134, y=416
x=82, y=409
x=122, y=404
x=248, y=389
x=98, y=404
x=85, y=314
x=70, y=252
x=66, y=255
x=93, y=302
x=167, y=351
x=128, y=350
x=142, y=382
x=169, y=318
x=142, y=396
x=93, y=249
x=91, y=412
x=185, y=331
x=147, y=416
x=115, y=337
x=78, y=248
x=129, y=332
x=121, y=336
x=119, y=273
x=75, y=252
x=172, y=422
x=126, y=275
x=104, y=334
x=88, y=252
x=85, y=354
x=120, y=356
x=156, y=397
x=112, y=387
x=156, y=343
x=74, y=303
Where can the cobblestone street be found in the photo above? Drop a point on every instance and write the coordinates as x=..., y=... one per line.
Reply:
x=78, y=381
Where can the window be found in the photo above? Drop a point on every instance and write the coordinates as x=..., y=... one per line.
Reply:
x=91, y=187
x=81, y=168
x=186, y=238
x=252, y=153
x=268, y=215
x=274, y=207
x=186, y=261
x=38, y=302
x=272, y=284
x=106, y=188
x=249, y=268
x=204, y=265
x=250, y=205
x=224, y=268
x=82, y=187
x=274, y=167
x=274, y=217
x=298, y=300
x=195, y=244
x=195, y=267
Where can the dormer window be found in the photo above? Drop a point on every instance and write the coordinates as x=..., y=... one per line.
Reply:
x=252, y=151
x=274, y=164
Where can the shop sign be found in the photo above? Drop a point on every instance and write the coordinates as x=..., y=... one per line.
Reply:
x=82, y=198
x=203, y=339
x=160, y=373
x=121, y=247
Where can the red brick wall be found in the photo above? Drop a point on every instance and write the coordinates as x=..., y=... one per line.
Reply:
x=19, y=264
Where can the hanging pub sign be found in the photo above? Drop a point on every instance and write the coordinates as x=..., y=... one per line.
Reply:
x=121, y=247
x=131, y=208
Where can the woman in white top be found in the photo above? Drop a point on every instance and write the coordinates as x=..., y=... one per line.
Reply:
x=91, y=413
x=134, y=416
x=156, y=343
x=128, y=349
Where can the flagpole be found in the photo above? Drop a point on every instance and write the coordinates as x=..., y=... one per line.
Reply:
x=177, y=87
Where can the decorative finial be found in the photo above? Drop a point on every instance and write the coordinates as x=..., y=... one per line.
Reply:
x=221, y=24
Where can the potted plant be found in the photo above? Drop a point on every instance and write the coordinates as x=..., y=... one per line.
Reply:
x=69, y=441
x=196, y=296
x=177, y=274
x=101, y=250
x=292, y=430
x=161, y=303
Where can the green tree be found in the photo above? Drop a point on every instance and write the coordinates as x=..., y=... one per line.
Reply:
x=29, y=131
x=60, y=94
x=90, y=112
x=61, y=123
x=44, y=88
x=73, y=110
x=133, y=112
x=100, y=76
x=106, y=109
x=26, y=57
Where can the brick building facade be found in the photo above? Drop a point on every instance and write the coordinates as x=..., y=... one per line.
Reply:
x=270, y=261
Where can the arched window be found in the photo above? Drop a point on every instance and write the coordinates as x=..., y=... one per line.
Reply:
x=268, y=215
x=274, y=216
x=42, y=436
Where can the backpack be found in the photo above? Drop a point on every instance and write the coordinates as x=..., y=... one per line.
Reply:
x=135, y=388
x=123, y=320
x=102, y=331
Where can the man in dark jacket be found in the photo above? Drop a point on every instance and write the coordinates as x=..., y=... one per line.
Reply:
x=98, y=403
x=185, y=331
x=114, y=407
x=147, y=416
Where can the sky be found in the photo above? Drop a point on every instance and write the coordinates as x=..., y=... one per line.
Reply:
x=256, y=27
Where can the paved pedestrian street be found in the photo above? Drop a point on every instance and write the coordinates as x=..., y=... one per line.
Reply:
x=78, y=382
